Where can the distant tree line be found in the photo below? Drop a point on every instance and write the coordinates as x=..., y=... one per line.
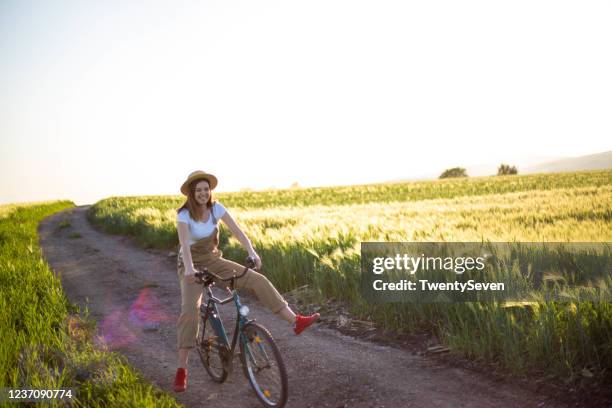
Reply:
x=454, y=172
x=506, y=169
x=502, y=170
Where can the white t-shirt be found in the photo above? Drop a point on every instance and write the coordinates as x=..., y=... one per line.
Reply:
x=199, y=229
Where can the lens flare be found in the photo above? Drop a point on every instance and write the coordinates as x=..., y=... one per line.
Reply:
x=124, y=325
x=115, y=330
x=146, y=311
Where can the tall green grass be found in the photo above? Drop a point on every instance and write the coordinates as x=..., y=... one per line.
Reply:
x=44, y=346
x=314, y=238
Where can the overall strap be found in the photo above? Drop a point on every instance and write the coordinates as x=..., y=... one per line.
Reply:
x=212, y=214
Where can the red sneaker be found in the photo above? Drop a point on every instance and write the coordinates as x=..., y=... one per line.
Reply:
x=180, y=381
x=302, y=322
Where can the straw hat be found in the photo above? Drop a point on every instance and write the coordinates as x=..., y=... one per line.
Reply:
x=198, y=175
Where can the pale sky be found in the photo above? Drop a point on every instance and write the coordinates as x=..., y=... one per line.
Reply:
x=101, y=98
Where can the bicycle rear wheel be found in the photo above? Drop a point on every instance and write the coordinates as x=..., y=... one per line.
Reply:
x=263, y=365
x=212, y=352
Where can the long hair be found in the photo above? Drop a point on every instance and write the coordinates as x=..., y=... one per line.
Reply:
x=195, y=211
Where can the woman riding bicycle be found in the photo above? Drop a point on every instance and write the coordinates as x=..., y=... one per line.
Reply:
x=199, y=237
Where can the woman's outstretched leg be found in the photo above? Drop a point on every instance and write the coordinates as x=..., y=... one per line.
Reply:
x=269, y=296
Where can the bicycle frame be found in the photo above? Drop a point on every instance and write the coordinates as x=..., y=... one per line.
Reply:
x=213, y=315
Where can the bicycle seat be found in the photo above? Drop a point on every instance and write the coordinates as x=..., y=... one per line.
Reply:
x=204, y=277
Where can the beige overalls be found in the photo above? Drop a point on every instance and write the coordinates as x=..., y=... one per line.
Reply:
x=205, y=254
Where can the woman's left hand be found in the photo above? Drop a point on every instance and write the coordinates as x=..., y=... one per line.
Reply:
x=257, y=260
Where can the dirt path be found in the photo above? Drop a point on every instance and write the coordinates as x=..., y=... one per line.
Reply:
x=135, y=296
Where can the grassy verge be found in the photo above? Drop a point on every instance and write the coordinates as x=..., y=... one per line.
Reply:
x=43, y=345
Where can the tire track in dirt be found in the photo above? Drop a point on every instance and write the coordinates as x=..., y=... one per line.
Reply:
x=135, y=296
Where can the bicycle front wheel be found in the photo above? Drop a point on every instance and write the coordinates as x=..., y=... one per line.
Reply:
x=263, y=365
x=211, y=351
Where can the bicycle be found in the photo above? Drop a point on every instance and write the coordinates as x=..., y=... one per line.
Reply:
x=260, y=358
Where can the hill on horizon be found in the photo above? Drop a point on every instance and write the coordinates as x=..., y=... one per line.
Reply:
x=597, y=161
